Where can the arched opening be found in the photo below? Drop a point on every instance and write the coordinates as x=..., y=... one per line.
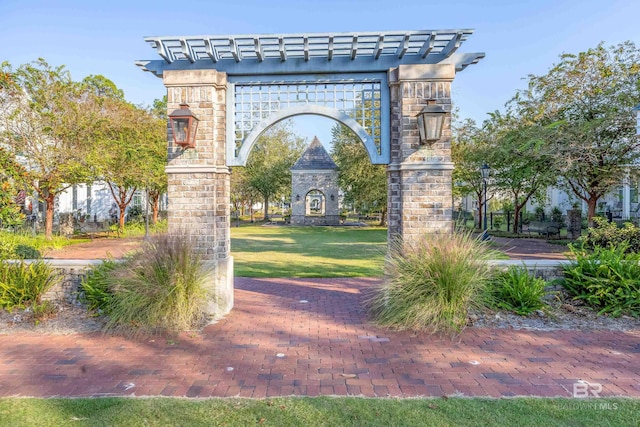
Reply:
x=375, y=155
x=315, y=204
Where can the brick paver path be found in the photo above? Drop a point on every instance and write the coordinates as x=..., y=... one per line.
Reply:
x=311, y=337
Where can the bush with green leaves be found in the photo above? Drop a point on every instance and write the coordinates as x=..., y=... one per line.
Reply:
x=26, y=252
x=607, y=279
x=433, y=283
x=518, y=291
x=22, y=284
x=157, y=290
x=605, y=234
x=556, y=215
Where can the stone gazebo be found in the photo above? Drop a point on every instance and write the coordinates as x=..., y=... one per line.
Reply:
x=314, y=188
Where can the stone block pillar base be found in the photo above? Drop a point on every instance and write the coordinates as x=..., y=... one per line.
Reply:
x=220, y=288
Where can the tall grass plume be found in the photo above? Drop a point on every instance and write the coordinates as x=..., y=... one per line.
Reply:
x=432, y=283
x=160, y=289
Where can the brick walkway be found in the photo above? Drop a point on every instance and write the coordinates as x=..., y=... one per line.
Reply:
x=311, y=337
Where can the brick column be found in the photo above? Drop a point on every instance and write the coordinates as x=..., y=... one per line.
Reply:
x=420, y=199
x=199, y=180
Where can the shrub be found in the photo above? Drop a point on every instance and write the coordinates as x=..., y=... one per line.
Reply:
x=518, y=291
x=432, y=284
x=23, y=284
x=556, y=215
x=26, y=252
x=160, y=289
x=498, y=220
x=135, y=214
x=605, y=234
x=608, y=279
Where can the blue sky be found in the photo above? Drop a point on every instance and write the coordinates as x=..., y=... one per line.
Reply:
x=519, y=37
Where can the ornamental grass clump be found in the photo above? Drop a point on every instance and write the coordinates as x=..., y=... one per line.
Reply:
x=160, y=289
x=432, y=284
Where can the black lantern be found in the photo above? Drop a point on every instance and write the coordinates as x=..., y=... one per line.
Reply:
x=430, y=123
x=484, y=171
x=184, y=125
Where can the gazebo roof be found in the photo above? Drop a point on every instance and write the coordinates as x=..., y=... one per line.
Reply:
x=301, y=53
x=315, y=157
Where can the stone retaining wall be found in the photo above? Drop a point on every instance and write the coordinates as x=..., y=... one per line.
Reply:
x=72, y=271
x=75, y=270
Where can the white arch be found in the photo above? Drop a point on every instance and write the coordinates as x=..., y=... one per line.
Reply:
x=250, y=140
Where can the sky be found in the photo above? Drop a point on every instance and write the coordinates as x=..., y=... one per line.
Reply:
x=519, y=37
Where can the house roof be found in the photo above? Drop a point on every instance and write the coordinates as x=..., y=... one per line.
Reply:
x=315, y=157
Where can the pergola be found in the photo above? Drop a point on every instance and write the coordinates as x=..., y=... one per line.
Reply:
x=392, y=89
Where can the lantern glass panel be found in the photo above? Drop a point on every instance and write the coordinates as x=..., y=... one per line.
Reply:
x=180, y=129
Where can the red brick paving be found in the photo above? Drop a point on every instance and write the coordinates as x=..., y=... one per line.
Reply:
x=275, y=344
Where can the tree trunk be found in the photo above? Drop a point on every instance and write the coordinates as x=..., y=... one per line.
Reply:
x=123, y=208
x=383, y=217
x=266, y=208
x=48, y=218
x=155, y=206
x=516, y=219
x=591, y=209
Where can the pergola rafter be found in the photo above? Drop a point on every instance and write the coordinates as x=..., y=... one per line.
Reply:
x=306, y=53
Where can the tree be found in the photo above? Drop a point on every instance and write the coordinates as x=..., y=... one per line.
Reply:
x=364, y=184
x=273, y=155
x=131, y=152
x=157, y=183
x=242, y=194
x=519, y=160
x=586, y=99
x=469, y=151
x=10, y=212
x=46, y=124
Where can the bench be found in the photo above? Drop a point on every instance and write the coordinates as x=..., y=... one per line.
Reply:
x=352, y=218
x=546, y=228
x=279, y=218
x=94, y=230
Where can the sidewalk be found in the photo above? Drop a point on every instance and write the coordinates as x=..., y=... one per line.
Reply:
x=311, y=337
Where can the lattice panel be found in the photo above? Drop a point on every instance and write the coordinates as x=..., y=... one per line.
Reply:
x=360, y=100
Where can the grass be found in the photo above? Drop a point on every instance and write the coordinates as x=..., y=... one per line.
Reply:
x=10, y=240
x=319, y=411
x=308, y=251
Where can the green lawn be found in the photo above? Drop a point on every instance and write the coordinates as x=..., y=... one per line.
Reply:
x=320, y=411
x=260, y=251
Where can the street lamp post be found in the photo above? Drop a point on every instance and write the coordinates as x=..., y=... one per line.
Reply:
x=484, y=171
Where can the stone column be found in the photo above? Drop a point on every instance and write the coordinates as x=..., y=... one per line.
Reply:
x=420, y=199
x=199, y=180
